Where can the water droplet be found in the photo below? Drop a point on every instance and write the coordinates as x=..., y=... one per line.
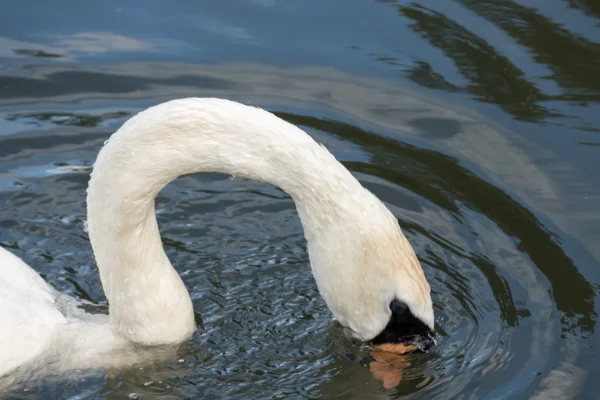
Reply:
x=181, y=361
x=134, y=396
x=148, y=383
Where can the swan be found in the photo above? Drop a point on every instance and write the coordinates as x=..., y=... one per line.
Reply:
x=364, y=267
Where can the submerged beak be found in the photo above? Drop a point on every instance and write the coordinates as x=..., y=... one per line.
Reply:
x=405, y=330
x=387, y=361
x=424, y=342
x=403, y=334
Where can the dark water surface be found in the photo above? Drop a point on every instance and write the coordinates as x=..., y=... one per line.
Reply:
x=476, y=121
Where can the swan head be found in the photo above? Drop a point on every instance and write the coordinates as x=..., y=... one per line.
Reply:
x=371, y=279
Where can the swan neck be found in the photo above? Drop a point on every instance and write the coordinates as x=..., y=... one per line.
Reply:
x=181, y=137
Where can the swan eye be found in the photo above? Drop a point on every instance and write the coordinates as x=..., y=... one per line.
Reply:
x=398, y=307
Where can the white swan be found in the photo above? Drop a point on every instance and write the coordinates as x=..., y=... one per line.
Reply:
x=364, y=267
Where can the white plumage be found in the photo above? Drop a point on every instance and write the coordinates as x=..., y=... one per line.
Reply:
x=359, y=257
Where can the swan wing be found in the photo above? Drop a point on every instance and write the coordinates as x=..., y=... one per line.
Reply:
x=28, y=313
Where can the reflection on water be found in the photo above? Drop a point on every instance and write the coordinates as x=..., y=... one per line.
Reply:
x=484, y=145
x=573, y=59
x=87, y=121
x=36, y=53
x=492, y=76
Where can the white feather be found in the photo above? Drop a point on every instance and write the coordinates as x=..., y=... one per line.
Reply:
x=359, y=257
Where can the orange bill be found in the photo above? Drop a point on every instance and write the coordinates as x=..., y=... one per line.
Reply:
x=389, y=363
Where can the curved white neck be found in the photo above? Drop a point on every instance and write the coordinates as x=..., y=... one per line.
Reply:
x=148, y=301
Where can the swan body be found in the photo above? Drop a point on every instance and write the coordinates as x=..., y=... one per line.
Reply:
x=26, y=301
x=359, y=257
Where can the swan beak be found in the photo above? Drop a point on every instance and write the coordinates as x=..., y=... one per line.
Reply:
x=404, y=329
x=418, y=343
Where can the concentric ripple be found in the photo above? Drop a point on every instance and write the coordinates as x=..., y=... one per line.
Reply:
x=239, y=247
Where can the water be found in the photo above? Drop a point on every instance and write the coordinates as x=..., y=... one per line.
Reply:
x=477, y=122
